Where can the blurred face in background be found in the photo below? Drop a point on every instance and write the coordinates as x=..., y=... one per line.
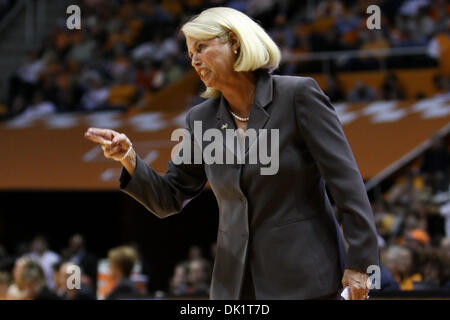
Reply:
x=179, y=277
x=194, y=252
x=39, y=245
x=115, y=272
x=404, y=261
x=63, y=276
x=197, y=274
x=76, y=243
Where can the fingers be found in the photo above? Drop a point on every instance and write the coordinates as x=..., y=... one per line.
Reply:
x=357, y=281
x=113, y=144
x=112, y=151
x=358, y=293
x=121, y=139
x=118, y=139
x=116, y=152
x=103, y=136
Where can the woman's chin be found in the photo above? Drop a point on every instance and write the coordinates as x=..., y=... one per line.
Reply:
x=208, y=80
x=208, y=84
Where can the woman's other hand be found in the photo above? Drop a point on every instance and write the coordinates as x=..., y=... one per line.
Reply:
x=357, y=281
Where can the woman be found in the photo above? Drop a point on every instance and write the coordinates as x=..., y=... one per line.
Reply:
x=278, y=237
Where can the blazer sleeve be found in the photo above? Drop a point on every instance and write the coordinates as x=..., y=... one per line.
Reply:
x=163, y=195
x=327, y=143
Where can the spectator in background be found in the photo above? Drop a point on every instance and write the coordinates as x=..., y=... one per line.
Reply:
x=195, y=252
x=78, y=254
x=372, y=40
x=123, y=93
x=434, y=270
x=283, y=30
x=85, y=292
x=441, y=84
x=44, y=257
x=333, y=89
x=145, y=74
x=35, y=284
x=417, y=238
x=83, y=49
x=156, y=50
x=4, y=284
x=436, y=164
x=25, y=81
x=172, y=71
x=96, y=92
x=388, y=282
x=178, y=286
x=199, y=278
x=142, y=270
x=391, y=89
x=404, y=191
x=121, y=61
x=439, y=48
x=39, y=107
x=121, y=263
x=16, y=290
x=399, y=261
x=59, y=290
x=361, y=93
x=421, y=26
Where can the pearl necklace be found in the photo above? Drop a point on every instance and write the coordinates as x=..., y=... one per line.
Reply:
x=239, y=118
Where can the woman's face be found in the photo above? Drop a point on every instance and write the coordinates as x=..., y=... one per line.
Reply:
x=213, y=60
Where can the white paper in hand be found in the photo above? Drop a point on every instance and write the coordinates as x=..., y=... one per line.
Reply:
x=346, y=293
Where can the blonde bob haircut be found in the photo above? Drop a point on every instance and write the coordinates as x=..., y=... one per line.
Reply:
x=257, y=50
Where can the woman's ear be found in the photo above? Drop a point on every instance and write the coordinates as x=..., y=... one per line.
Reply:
x=234, y=41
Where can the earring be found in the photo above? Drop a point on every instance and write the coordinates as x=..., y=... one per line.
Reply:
x=235, y=51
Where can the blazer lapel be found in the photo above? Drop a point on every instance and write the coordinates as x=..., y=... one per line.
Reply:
x=258, y=114
x=225, y=121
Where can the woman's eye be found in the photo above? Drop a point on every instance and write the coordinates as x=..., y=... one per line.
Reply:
x=201, y=47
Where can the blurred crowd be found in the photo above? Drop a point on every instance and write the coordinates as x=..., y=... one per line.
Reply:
x=390, y=89
x=338, y=25
x=127, y=50
x=413, y=222
x=35, y=272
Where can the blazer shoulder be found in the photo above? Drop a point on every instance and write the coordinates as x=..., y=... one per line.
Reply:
x=295, y=82
x=203, y=110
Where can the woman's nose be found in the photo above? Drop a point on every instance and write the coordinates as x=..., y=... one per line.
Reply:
x=195, y=61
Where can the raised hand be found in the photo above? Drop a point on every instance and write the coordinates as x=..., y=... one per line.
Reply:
x=115, y=145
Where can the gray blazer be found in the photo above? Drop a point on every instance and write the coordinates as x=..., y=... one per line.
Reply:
x=282, y=225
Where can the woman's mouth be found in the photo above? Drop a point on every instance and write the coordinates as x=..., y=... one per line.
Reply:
x=203, y=72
